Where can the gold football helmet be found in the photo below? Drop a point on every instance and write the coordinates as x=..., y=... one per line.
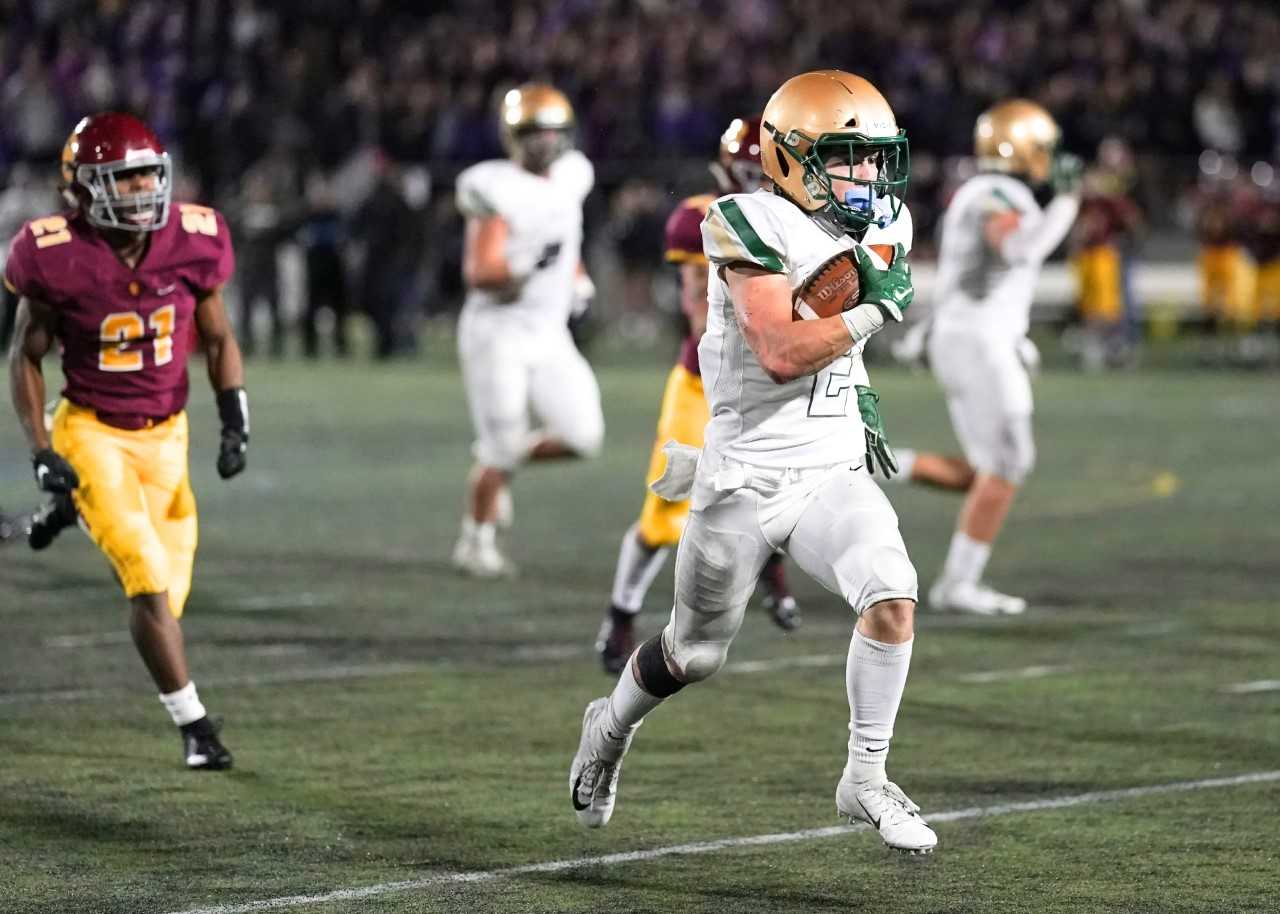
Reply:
x=1017, y=137
x=821, y=124
x=537, y=120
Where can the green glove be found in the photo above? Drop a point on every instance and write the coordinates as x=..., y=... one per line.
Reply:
x=891, y=289
x=878, y=449
x=1066, y=173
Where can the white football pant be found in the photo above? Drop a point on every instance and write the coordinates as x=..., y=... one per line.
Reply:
x=835, y=523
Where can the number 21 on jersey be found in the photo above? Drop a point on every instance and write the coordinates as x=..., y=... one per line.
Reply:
x=120, y=329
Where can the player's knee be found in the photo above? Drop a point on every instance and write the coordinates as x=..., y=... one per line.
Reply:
x=697, y=662
x=503, y=451
x=586, y=441
x=1017, y=456
x=892, y=620
x=889, y=578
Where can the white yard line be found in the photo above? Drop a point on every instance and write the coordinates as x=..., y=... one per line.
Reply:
x=1026, y=672
x=706, y=847
x=93, y=639
x=549, y=653
x=268, y=602
x=786, y=663
x=1258, y=685
x=306, y=674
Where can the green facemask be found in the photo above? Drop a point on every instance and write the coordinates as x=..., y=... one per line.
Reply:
x=876, y=201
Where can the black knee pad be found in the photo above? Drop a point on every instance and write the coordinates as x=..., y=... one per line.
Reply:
x=651, y=663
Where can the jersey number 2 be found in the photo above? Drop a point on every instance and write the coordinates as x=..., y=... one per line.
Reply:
x=830, y=395
x=122, y=328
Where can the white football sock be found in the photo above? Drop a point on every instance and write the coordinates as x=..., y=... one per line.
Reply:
x=628, y=706
x=183, y=705
x=906, y=460
x=483, y=534
x=966, y=559
x=638, y=565
x=875, y=678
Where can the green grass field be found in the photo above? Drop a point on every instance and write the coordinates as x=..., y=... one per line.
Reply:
x=403, y=735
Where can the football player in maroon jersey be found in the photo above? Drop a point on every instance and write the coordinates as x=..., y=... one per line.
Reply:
x=119, y=280
x=684, y=415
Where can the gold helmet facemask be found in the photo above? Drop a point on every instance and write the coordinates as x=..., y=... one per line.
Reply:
x=537, y=125
x=820, y=126
x=1017, y=137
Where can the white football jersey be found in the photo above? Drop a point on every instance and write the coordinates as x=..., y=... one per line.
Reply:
x=978, y=290
x=544, y=218
x=808, y=422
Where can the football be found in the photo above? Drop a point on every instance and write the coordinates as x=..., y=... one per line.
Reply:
x=831, y=288
x=834, y=286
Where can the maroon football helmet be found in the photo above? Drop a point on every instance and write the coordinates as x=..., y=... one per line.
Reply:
x=738, y=169
x=103, y=147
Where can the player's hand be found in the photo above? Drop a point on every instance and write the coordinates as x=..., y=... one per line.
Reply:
x=890, y=288
x=878, y=450
x=233, y=410
x=1066, y=173
x=49, y=521
x=53, y=473
x=231, y=453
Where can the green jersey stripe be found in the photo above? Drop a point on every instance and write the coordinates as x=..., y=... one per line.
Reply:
x=764, y=255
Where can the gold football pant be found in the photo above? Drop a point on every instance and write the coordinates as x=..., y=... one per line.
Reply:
x=135, y=498
x=1267, y=306
x=1227, y=278
x=1097, y=271
x=684, y=417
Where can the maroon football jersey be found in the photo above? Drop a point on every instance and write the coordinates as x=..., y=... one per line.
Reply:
x=125, y=333
x=683, y=244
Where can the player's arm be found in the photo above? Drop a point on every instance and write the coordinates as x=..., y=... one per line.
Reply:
x=484, y=253
x=34, y=333
x=787, y=349
x=693, y=295
x=1019, y=238
x=226, y=374
x=33, y=337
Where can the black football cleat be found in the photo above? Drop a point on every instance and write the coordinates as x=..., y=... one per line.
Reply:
x=201, y=748
x=783, y=610
x=617, y=640
x=49, y=521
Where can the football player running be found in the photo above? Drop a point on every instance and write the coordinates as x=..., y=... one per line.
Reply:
x=523, y=271
x=118, y=282
x=995, y=237
x=684, y=415
x=791, y=418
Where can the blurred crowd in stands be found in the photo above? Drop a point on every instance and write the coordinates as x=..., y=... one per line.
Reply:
x=336, y=126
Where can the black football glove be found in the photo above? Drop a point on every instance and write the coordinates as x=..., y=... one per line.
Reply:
x=49, y=521
x=53, y=473
x=233, y=410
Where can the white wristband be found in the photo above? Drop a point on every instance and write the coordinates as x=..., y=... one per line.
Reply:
x=863, y=320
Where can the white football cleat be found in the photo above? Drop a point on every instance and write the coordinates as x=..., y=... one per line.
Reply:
x=593, y=776
x=888, y=810
x=971, y=597
x=481, y=560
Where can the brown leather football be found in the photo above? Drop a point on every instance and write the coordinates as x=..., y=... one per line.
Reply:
x=834, y=286
x=831, y=288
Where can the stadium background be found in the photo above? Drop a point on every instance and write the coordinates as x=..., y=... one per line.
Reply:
x=402, y=733
x=334, y=129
